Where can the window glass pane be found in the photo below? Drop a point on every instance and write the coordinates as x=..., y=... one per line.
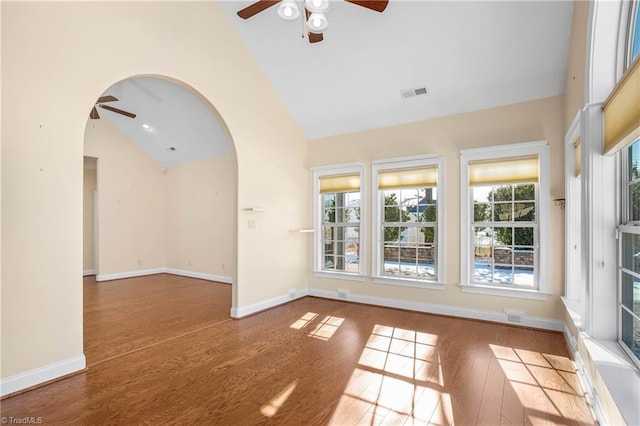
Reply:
x=523, y=236
x=634, y=201
x=631, y=332
x=631, y=293
x=392, y=234
x=503, y=236
x=631, y=252
x=635, y=32
x=523, y=257
x=524, y=212
x=525, y=192
x=503, y=256
x=481, y=212
x=523, y=276
x=502, y=193
x=502, y=212
x=634, y=161
x=482, y=194
x=503, y=274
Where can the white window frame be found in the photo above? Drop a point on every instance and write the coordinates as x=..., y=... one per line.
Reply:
x=378, y=217
x=627, y=226
x=541, y=270
x=335, y=170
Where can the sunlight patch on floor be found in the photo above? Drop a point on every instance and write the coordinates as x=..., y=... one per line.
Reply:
x=304, y=320
x=398, y=381
x=326, y=328
x=270, y=409
x=546, y=385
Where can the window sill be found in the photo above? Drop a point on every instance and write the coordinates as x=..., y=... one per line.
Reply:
x=407, y=282
x=620, y=376
x=339, y=275
x=504, y=292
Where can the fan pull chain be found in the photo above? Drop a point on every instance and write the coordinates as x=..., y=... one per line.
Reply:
x=302, y=19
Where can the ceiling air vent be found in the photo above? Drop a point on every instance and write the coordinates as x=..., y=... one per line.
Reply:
x=410, y=93
x=171, y=148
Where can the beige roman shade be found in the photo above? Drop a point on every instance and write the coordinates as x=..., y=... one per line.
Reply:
x=578, y=156
x=420, y=177
x=340, y=183
x=503, y=171
x=622, y=111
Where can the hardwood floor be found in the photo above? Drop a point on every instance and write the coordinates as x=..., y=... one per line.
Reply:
x=126, y=315
x=312, y=361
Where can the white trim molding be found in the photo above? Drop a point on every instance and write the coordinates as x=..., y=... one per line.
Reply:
x=129, y=274
x=504, y=292
x=41, y=375
x=431, y=308
x=200, y=275
x=181, y=272
x=88, y=272
x=243, y=311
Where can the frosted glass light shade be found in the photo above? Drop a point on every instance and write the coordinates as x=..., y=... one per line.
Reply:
x=317, y=23
x=316, y=6
x=288, y=10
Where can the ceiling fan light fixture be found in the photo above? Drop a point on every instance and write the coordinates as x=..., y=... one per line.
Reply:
x=316, y=6
x=288, y=10
x=317, y=23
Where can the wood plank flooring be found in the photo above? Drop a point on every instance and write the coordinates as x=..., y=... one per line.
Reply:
x=309, y=362
x=121, y=316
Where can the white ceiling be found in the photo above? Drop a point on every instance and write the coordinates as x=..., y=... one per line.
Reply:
x=469, y=55
x=175, y=116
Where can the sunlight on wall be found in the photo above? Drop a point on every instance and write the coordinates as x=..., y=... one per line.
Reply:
x=546, y=385
x=270, y=409
x=399, y=377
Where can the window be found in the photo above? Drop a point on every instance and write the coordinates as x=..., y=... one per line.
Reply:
x=634, y=32
x=629, y=254
x=338, y=202
x=504, y=220
x=408, y=218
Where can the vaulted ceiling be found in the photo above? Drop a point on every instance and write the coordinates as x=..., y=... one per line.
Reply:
x=468, y=55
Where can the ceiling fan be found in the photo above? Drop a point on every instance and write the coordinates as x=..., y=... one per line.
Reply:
x=314, y=37
x=100, y=103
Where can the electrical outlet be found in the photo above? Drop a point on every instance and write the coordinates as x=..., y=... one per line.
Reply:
x=223, y=266
x=189, y=263
x=252, y=224
x=139, y=262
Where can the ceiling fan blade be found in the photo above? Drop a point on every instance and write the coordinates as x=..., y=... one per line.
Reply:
x=256, y=8
x=117, y=111
x=94, y=114
x=315, y=37
x=107, y=98
x=376, y=5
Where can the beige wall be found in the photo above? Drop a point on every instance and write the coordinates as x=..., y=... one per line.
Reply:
x=132, y=200
x=530, y=121
x=576, y=64
x=200, y=213
x=89, y=186
x=54, y=66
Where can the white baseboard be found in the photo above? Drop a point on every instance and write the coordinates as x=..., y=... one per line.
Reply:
x=40, y=375
x=456, y=311
x=243, y=311
x=200, y=275
x=143, y=272
x=87, y=272
x=129, y=274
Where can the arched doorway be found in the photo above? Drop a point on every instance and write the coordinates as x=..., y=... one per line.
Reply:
x=165, y=179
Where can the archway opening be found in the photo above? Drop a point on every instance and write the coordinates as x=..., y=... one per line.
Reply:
x=160, y=251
